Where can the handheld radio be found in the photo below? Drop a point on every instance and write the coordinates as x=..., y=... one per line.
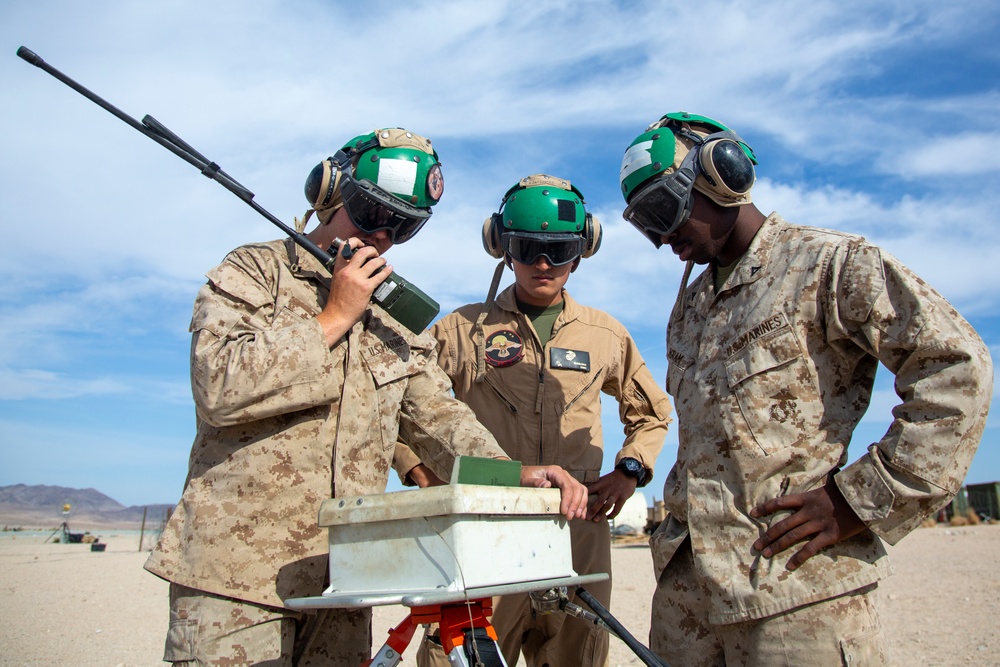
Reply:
x=407, y=304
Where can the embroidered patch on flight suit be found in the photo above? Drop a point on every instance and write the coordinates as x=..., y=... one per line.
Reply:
x=504, y=348
x=574, y=360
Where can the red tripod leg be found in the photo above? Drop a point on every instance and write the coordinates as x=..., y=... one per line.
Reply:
x=392, y=651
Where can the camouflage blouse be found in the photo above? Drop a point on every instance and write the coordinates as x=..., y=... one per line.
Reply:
x=771, y=375
x=284, y=422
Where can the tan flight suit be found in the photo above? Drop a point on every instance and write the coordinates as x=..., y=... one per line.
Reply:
x=543, y=415
x=769, y=378
x=285, y=422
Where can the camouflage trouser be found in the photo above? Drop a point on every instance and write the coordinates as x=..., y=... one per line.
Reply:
x=555, y=640
x=210, y=630
x=838, y=632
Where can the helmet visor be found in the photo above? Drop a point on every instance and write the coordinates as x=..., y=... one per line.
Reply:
x=557, y=249
x=662, y=207
x=372, y=209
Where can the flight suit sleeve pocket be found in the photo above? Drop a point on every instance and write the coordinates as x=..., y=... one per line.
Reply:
x=649, y=398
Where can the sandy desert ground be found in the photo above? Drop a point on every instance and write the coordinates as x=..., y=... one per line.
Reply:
x=63, y=604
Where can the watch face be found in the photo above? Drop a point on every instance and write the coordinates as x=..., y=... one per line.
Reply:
x=631, y=466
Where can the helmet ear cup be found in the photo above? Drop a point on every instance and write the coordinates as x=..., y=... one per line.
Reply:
x=321, y=184
x=492, y=227
x=592, y=234
x=726, y=167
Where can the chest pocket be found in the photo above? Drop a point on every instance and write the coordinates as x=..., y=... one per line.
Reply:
x=577, y=386
x=501, y=394
x=679, y=359
x=390, y=369
x=675, y=373
x=776, y=391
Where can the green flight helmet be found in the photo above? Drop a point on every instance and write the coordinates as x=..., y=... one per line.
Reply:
x=386, y=180
x=542, y=209
x=543, y=204
x=400, y=162
x=661, y=149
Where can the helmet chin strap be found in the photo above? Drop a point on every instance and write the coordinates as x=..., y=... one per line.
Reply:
x=478, y=327
x=679, y=302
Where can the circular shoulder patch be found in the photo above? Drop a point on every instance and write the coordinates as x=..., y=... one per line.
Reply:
x=504, y=348
x=435, y=183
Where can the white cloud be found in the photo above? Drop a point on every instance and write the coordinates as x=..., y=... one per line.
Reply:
x=975, y=154
x=49, y=386
x=945, y=238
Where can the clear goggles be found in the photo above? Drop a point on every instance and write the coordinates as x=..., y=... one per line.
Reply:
x=662, y=207
x=372, y=209
x=557, y=249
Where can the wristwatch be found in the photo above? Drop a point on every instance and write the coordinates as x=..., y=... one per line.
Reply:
x=634, y=469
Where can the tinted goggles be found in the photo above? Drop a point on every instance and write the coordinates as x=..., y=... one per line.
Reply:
x=372, y=209
x=662, y=207
x=557, y=249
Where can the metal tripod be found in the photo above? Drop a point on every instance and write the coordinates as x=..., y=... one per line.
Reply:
x=469, y=640
x=467, y=637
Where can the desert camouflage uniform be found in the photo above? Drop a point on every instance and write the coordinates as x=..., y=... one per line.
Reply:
x=284, y=422
x=769, y=378
x=542, y=416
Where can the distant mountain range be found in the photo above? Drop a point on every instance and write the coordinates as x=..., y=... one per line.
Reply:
x=41, y=507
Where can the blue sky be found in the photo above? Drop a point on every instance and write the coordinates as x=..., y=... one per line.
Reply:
x=881, y=119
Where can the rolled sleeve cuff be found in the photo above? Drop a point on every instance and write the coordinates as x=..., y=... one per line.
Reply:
x=867, y=492
x=404, y=460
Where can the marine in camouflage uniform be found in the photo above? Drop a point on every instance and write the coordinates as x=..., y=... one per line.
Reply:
x=535, y=380
x=772, y=357
x=301, y=388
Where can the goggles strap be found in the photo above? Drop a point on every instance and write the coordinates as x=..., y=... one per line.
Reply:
x=478, y=327
x=300, y=223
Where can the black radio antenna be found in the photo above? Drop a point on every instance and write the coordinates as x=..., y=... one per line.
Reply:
x=156, y=131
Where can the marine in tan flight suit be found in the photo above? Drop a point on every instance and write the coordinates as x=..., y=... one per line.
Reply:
x=532, y=365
